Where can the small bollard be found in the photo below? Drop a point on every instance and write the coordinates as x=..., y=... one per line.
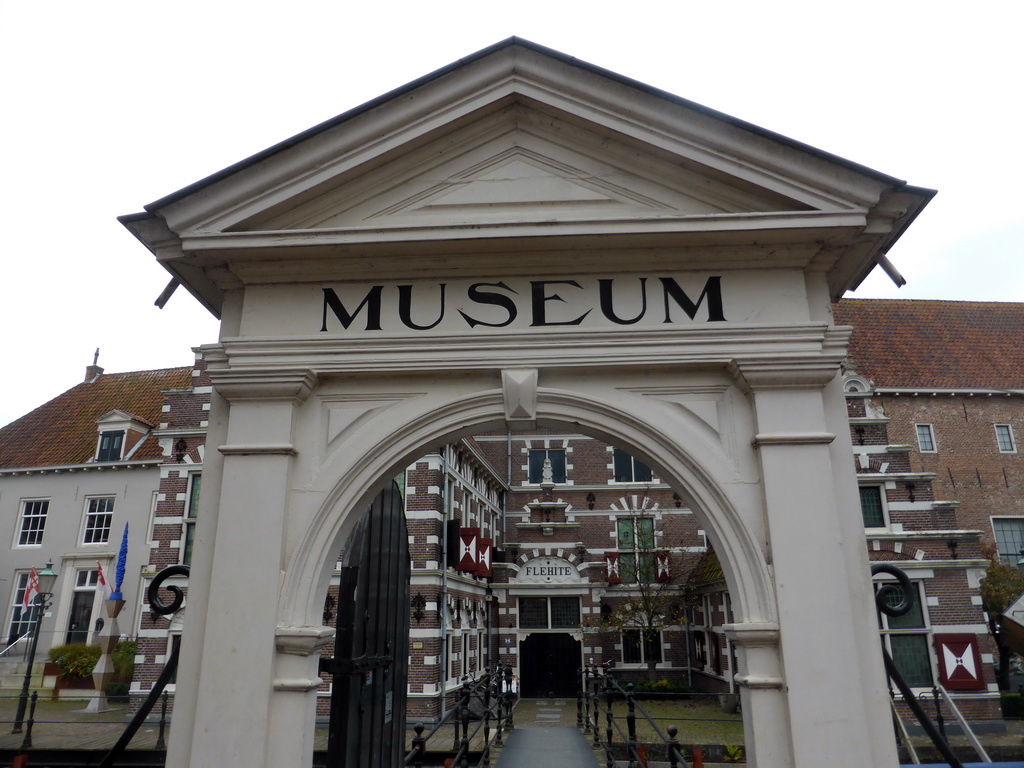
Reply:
x=673, y=747
x=419, y=745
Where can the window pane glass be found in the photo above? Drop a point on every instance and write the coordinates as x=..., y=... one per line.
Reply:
x=565, y=612
x=557, y=466
x=623, y=466
x=641, y=472
x=647, y=567
x=871, y=506
x=911, y=620
x=652, y=646
x=925, y=439
x=97, y=521
x=193, y=496
x=533, y=613
x=1009, y=538
x=645, y=533
x=536, y=464
x=33, y=523
x=627, y=568
x=626, y=538
x=1004, y=437
x=110, y=446
x=631, y=647
x=910, y=654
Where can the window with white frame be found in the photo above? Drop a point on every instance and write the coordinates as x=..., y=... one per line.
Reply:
x=907, y=638
x=99, y=512
x=1009, y=535
x=21, y=617
x=1004, y=438
x=640, y=646
x=536, y=464
x=872, y=507
x=33, y=522
x=636, y=549
x=549, y=612
x=195, y=481
x=925, y=438
x=629, y=470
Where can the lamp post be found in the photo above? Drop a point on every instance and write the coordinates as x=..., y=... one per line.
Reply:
x=47, y=578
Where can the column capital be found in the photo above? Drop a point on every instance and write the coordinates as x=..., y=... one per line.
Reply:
x=785, y=372
x=292, y=386
x=754, y=634
x=302, y=641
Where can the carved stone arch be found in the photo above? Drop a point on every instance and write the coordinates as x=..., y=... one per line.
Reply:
x=349, y=483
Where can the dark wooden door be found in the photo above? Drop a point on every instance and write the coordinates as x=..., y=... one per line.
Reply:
x=370, y=664
x=548, y=663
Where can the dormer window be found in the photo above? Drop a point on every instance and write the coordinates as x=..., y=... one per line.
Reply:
x=111, y=445
x=120, y=435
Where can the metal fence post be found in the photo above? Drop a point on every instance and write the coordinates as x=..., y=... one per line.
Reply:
x=419, y=745
x=487, y=723
x=464, y=716
x=631, y=724
x=673, y=747
x=160, y=743
x=26, y=743
x=586, y=699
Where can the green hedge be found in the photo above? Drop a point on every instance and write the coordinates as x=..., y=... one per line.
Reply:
x=79, y=659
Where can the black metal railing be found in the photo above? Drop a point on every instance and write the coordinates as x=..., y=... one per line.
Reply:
x=488, y=701
x=886, y=602
x=598, y=691
x=157, y=606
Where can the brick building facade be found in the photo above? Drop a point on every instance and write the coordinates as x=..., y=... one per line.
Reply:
x=934, y=404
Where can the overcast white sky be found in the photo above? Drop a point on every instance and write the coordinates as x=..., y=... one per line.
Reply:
x=112, y=104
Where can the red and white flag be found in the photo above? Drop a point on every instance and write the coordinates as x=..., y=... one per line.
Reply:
x=101, y=580
x=31, y=590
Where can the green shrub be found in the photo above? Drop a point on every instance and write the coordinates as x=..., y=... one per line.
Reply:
x=123, y=657
x=75, y=659
x=1012, y=704
x=117, y=693
x=657, y=686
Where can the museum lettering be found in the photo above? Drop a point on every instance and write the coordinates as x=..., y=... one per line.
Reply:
x=540, y=304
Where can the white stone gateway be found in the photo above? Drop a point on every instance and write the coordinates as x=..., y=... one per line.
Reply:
x=525, y=239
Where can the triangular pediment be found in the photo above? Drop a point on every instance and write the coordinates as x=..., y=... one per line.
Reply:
x=515, y=144
x=517, y=167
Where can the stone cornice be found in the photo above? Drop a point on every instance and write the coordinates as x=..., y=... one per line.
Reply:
x=95, y=466
x=760, y=355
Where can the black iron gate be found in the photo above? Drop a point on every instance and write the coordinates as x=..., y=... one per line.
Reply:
x=370, y=663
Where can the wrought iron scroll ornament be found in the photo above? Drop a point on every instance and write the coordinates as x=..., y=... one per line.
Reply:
x=884, y=595
x=158, y=606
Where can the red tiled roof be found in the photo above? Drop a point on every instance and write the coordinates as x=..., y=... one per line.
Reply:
x=941, y=344
x=64, y=430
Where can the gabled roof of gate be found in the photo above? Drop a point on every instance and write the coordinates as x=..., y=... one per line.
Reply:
x=519, y=143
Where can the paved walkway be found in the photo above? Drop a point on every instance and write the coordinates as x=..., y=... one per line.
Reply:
x=546, y=734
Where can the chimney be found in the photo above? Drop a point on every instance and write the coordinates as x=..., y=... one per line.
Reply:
x=93, y=372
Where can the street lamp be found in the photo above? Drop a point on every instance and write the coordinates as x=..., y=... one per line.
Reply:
x=46, y=577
